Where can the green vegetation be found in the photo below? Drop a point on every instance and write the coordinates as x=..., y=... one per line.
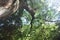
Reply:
x=42, y=26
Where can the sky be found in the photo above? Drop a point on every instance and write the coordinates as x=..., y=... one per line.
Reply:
x=55, y=4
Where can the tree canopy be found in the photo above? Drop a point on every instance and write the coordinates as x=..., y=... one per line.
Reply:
x=28, y=20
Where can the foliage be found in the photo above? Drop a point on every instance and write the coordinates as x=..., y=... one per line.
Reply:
x=19, y=24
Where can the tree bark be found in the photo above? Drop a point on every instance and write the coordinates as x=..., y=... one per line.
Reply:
x=9, y=9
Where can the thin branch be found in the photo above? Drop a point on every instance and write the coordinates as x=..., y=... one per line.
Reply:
x=32, y=13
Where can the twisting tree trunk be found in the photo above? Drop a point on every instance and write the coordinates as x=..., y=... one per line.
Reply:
x=8, y=7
